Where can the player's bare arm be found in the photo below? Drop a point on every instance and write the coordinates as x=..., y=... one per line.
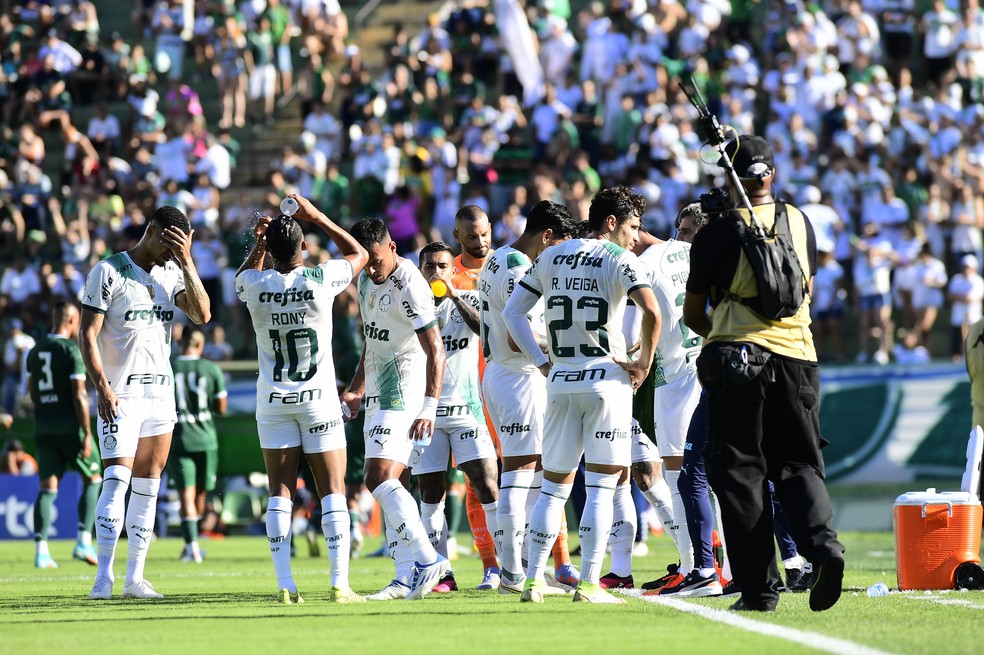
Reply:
x=521, y=332
x=257, y=259
x=80, y=402
x=107, y=402
x=351, y=251
x=430, y=341
x=193, y=301
x=352, y=396
x=638, y=368
x=469, y=314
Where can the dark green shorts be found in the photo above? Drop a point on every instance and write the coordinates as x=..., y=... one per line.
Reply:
x=196, y=470
x=355, y=451
x=643, y=405
x=58, y=455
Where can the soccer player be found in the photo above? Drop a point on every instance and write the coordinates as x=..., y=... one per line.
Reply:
x=62, y=434
x=460, y=427
x=515, y=393
x=291, y=310
x=129, y=303
x=400, y=375
x=199, y=390
x=584, y=284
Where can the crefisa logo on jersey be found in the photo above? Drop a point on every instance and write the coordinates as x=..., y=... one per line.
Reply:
x=577, y=259
x=451, y=344
x=372, y=332
x=514, y=428
x=286, y=296
x=148, y=316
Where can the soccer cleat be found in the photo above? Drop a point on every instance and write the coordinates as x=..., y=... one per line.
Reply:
x=141, y=589
x=554, y=588
x=343, y=596
x=357, y=541
x=44, y=561
x=395, y=590
x=639, y=549
x=102, y=589
x=731, y=590
x=446, y=585
x=590, y=593
x=426, y=577
x=612, y=581
x=742, y=606
x=490, y=580
x=532, y=595
x=567, y=575
x=826, y=589
x=694, y=586
x=188, y=555
x=798, y=580
x=507, y=588
x=85, y=553
x=672, y=571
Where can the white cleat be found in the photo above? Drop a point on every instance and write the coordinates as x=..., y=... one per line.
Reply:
x=532, y=595
x=555, y=588
x=395, y=590
x=490, y=580
x=344, y=595
x=141, y=589
x=509, y=589
x=285, y=597
x=598, y=596
x=426, y=576
x=102, y=589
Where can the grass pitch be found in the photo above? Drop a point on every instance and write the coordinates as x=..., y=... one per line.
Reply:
x=226, y=605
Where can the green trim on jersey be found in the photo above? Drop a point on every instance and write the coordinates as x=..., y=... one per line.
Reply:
x=93, y=309
x=390, y=382
x=122, y=263
x=426, y=327
x=613, y=249
x=637, y=287
x=314, y=274
x=515, y=259
x=529, y=288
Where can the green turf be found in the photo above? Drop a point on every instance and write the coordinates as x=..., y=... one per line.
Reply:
x=226, y=606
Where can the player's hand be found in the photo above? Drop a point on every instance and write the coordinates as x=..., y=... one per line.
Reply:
x=353, y=401
x=422, y=428
x=259, y=231
x=306, y=211
x=6, y=420
x=545, y=368
x=178, y=243
x=87, y=446
x=637, y=372
x=107, y=404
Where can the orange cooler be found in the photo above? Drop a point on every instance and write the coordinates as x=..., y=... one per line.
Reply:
x=934, y=534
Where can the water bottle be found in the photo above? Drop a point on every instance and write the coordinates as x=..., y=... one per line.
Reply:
x=878, y=590
x=346, y=412
x=426, y=441
x=289, y=206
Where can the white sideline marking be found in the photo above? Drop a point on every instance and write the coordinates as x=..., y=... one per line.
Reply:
x=802, y=637
x=949, y=601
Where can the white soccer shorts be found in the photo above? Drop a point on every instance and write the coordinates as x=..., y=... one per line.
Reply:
x=675, y=404
x=137, y=417
x=516, y=404
x=597, y=424
x=643, y=448
x=387, y=434
x=466, y=442
x=315, y=431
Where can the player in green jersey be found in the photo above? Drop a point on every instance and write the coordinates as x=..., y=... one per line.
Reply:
x=199, y=390
x=56, y=379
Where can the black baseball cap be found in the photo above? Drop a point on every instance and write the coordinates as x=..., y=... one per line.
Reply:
x=751, y=156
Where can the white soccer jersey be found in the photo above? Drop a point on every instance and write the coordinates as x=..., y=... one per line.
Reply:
x=668, y=267
x=393, y=313
x=461, y=395
x=138, y=309
x=291, y=315
x=504, y=268
x=585, y=284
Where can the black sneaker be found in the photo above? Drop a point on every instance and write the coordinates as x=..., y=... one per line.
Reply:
x=731, y=590
x=672, y=577
x=695, y=586
x=612, y=581
x=798, y=580
x=742, y=606
x=827, y=583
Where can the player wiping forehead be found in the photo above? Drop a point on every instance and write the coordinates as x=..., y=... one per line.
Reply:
x=585, y=284
x=460, y=426
x=400, y=375
x=291, y=307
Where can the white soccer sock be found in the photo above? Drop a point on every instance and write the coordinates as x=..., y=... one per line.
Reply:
x=545, y=522
x=84, y=537
x=511, y=515
x=623, y=530
x=659, y=497
x=140, y=517
x=491, y=521
x=432, y=516
x=278, y=521
x=41, y=547
x=401, y=512
x=400, y=554
x=355, y=522
x=596, y=522
x=531, y=499
x=335, y=526
x=726, y=564
x=110, y=511
x=683, y=543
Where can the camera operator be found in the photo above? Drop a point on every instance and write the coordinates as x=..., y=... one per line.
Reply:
x=763, y=383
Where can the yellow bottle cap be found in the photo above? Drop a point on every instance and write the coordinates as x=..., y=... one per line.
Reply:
x=439, y=288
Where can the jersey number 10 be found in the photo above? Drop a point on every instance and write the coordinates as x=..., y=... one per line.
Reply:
x=293, y=359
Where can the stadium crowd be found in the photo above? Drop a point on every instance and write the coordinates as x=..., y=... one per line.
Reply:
x=873, y=108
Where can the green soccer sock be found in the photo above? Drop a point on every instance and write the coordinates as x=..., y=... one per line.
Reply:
x=87, y=506
x=189, y=529
x=455, y=512
x=42, y=513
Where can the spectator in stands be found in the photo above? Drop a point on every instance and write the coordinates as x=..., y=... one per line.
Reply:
x=966, y=293
x=14, y=460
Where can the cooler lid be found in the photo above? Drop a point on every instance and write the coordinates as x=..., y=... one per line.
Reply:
x=932, y=497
